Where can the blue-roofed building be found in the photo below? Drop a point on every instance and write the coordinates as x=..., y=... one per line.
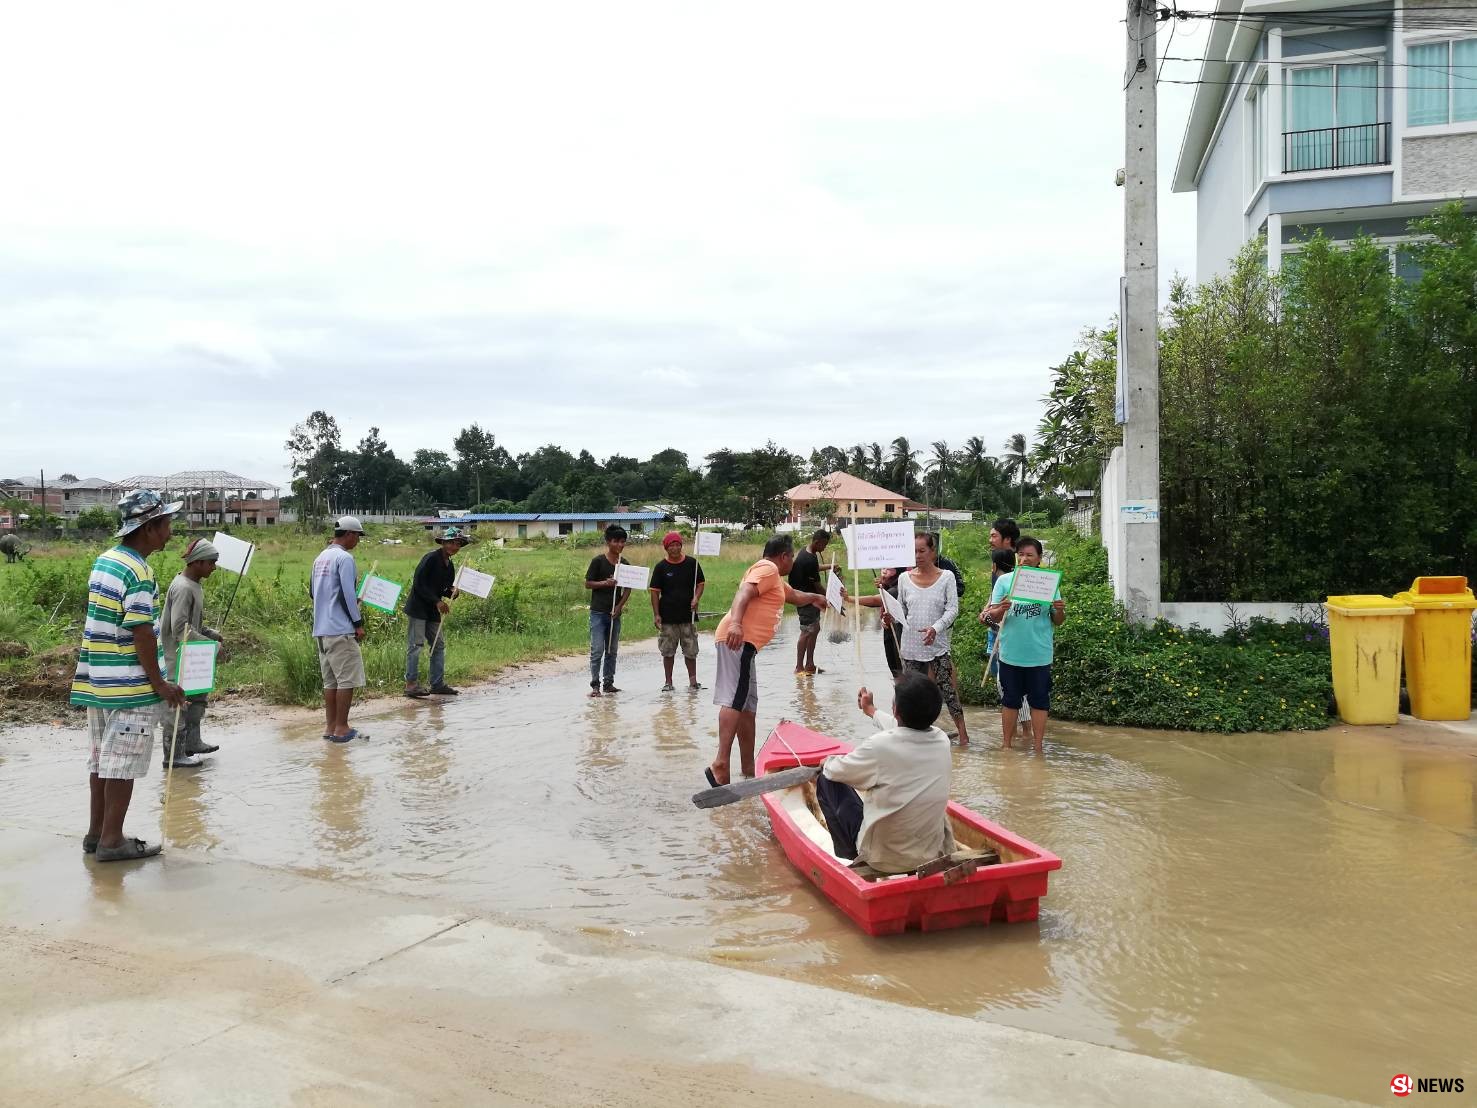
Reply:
x=553, y=525
x=1345, y=117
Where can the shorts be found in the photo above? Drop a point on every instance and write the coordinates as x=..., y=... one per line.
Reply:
x=122, y=741
x=674, y=634
x=341, y=662
x=737, y=686
x=810, y=615
x=940, y=671
x=1031, y=683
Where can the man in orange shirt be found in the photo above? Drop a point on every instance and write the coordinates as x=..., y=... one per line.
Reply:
x=750, y=623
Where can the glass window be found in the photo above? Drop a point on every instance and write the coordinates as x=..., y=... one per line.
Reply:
x=1464, y=80
x=1406, y=267
x=1443, y=83
x=1428, y=92
x=1320, y=98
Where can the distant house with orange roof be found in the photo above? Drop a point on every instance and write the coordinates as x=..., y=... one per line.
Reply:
x=854, y=499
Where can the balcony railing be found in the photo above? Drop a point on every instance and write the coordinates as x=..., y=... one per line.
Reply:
x=1336, y=147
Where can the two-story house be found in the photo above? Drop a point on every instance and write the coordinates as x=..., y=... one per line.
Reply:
x=1350, y=118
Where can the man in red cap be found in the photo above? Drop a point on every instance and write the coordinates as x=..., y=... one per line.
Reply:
x=677, y=585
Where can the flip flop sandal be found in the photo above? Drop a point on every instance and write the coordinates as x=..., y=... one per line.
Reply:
x=417, y=693
x=348, y=737
x=708, y=773
x=130, y=850
x=89, y=844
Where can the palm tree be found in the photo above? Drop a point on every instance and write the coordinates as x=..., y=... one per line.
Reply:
x=874, y=462
x=902, y=466
x=857, y=461
x=1017, y=461
x=941, y=468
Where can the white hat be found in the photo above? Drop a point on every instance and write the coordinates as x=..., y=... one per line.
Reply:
x=349, y=523
x=201, y=550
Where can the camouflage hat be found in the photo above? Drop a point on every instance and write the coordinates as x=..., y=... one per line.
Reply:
x=141, y=507
x=455, y=534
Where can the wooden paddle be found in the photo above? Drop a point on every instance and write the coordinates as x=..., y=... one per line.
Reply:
x=770, y=782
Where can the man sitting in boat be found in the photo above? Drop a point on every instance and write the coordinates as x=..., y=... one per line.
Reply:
x=903, y=774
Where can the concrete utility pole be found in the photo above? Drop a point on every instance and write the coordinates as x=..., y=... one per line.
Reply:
x=1140, y=322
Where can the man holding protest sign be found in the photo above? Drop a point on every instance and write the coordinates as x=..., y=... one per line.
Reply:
x=118, y=678
x=1027, y=606
x=750, y=623
x=338, y=627
x=184, y=618
x=607, y=604
x=431, y=589
x=677, y=584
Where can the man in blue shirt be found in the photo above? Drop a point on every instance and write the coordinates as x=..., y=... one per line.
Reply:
x=338, y=627
x=1026, y=647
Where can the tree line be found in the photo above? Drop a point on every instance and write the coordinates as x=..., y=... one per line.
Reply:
x=736, y=485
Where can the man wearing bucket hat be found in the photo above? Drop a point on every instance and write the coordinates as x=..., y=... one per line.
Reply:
x=677, y=585
x=184, y=618
x=118, y=678
x=430, y=589
x=338, y=627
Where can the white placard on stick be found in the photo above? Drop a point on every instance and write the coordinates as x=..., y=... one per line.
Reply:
x=894, y=607
x=880, y=545
x=235, y=553
x=196, y=666
x=632, y=577
x=376, y=592
x=833, y=590
x=709, y=542
x=474, y=581
x=1035, y=586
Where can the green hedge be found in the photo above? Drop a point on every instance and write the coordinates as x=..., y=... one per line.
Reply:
x=1261, y=677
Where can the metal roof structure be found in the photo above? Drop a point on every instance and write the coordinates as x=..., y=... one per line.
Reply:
x=544, y=517
x=210, y=480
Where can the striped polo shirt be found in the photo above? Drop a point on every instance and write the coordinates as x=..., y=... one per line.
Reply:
x=121, y=595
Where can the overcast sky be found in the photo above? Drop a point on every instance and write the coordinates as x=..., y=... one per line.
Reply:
x=617, y=227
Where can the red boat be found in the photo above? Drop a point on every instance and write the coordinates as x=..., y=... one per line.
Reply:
x=957, y=895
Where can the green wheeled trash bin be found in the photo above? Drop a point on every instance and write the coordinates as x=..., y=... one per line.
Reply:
x=1438, y=647
x=1365, y=634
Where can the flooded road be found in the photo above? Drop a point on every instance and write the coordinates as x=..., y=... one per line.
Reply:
x=1295, y=908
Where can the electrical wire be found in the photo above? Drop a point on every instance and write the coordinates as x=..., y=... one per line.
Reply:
x=1169, y=44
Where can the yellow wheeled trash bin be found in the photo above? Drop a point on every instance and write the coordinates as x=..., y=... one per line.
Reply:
x=1438, y=647
x=1364, y=637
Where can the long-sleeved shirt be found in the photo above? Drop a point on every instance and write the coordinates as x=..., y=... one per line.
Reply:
x=183, y=618
x=936, y=606
x=434, y=578
x=335, y=607
x=903, y=777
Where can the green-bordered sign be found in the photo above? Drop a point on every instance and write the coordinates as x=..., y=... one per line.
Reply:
x=379, y=593
x=1033, y=585
x=195, y=666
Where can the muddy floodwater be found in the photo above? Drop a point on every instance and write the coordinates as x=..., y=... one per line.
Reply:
x=1299, y=908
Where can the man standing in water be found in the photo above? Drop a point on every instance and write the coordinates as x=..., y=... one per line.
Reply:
x=806, y=577
x=750, y=623
x=183, y=619
x=433, y=585
x=118, y=679
x=607, y=603
x=677, y=584
x=338, y=627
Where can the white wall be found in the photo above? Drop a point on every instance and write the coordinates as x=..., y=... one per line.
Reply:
x=1220, y=199
x=1113, y=492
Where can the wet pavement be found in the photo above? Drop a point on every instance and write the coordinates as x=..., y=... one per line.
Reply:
x=1295, y=908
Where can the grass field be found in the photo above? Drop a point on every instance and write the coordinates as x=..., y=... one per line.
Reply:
x=539, y=608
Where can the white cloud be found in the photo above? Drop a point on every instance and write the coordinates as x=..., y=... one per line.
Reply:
x=474, y=211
